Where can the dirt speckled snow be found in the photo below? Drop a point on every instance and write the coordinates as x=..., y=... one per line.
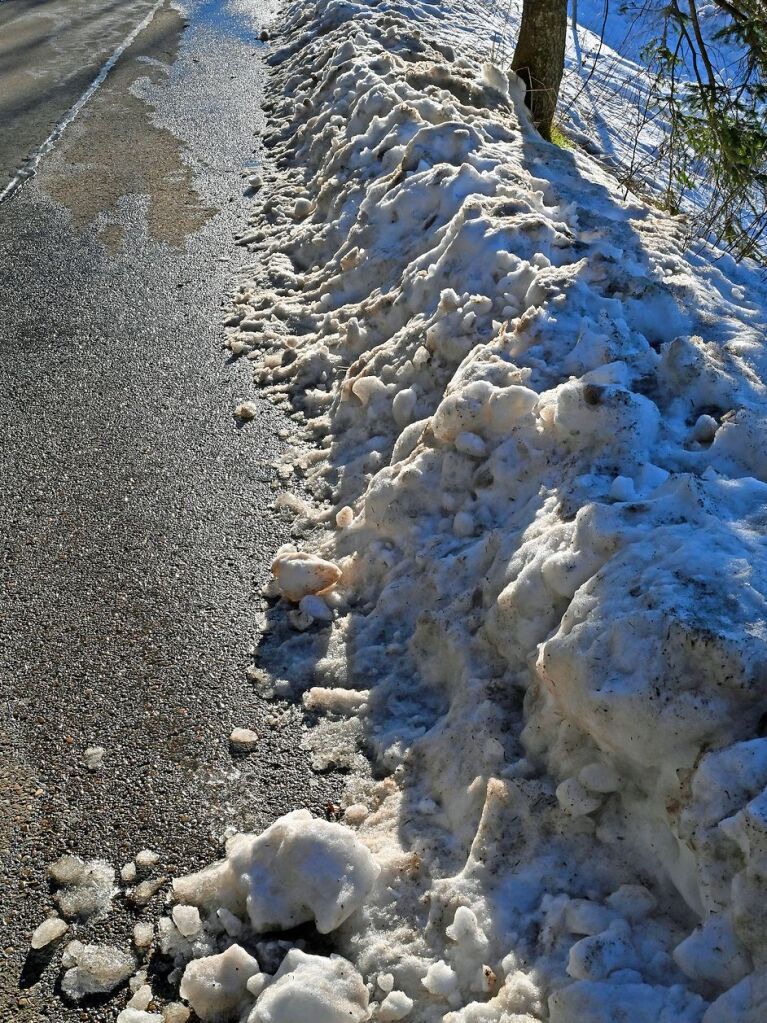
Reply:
x=536, y=594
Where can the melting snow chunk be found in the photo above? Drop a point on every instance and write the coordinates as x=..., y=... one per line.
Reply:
x=216, y=986
x=50, y=930
x=313, y=988
x=97, y=969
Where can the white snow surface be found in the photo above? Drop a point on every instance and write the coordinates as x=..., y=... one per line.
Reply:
x=550, y=585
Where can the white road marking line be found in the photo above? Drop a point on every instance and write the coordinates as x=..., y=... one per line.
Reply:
x=29, y=169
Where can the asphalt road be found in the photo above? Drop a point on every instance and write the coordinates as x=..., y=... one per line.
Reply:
x=134, y=516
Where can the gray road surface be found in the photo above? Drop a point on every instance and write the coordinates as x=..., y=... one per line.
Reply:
x=134, y=527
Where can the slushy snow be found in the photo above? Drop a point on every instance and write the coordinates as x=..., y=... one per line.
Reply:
x=539, y=492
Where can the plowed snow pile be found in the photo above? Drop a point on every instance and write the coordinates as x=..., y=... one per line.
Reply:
x=538, y=594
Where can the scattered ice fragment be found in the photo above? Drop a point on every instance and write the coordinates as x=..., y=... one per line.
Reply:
x=246, y=410
x=299, y=574
x=48, y=931
x=94, y=757
x=394, y=1007
x=386, y=982
x=133, y=1015
x=313, y=988
x=216, y=986
x=243, y=740
x=187, y=920
x=143, y=933
x=336, y=701
x=146, y=890
x=141, y=998
x=128, y=872
x=86, y=887
x=316, y=608
x=146, y=859
x=67, y=870
x=98, y=969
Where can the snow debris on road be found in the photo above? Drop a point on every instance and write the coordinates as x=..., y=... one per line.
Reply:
x=48, y=931
x=94, y=969
x=542, y=475
x=86, y=888
x=243, y=740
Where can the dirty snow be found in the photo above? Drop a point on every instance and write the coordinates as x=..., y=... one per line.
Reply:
x=535, y=588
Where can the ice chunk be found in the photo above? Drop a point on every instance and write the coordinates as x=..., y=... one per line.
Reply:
x=307, y=987
x=146, y=859
x=395, y=1006
x=243, y=740
x=301, y=869
x=299, y=574
x=49, y=930
x=87, y=887
x=187, y=920
x=216, y=986
x=440, y=979
x=143, y=934
x=131, y=1015
x=99, y=969
x=316, y=608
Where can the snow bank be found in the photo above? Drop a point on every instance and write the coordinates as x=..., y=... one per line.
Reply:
x=542, y=477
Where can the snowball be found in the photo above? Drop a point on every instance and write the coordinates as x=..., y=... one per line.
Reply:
x=302, y=868
x=386, y=982
x=98, y=969
x=216, y=986
x=142, y=894
x=313, y=988
x=68, y=870
x=187, y=920
x=299, y=574
x=49, y=930
x=705, y=429
x=243, y=740
x=403, y=406
x=395, y=1006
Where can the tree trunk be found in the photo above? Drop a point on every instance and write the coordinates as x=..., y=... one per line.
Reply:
x=539, y=58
